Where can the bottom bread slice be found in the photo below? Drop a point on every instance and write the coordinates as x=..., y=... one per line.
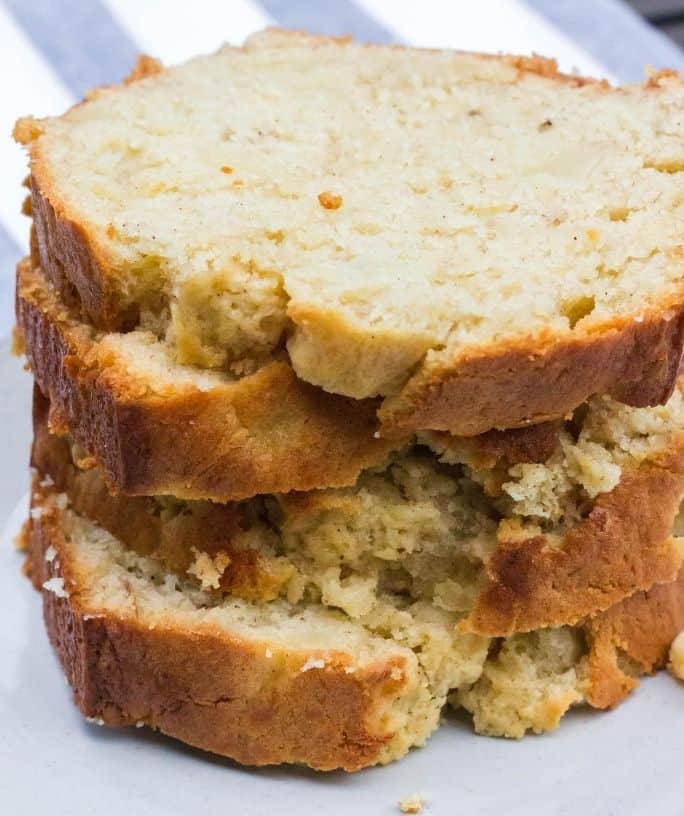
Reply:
x=276, y=682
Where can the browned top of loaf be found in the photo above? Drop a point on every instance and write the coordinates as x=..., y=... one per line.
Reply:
x=221, y=439
x=140, y=524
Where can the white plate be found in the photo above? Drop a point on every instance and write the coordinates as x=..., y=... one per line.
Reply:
x=53, y=763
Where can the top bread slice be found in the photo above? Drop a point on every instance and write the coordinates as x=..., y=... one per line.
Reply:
x=481, y=240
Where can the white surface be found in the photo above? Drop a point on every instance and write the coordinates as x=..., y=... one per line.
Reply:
x=53, y=763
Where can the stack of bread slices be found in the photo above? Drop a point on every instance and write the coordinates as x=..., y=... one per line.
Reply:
x=355, y=394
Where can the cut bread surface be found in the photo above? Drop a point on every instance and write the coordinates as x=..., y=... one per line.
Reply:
x=509, y=548
x=283, y=682
x=454, y=225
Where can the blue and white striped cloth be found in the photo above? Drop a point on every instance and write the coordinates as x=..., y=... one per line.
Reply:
x=51, y=51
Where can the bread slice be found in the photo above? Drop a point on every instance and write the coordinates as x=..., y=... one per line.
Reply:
x=481, y=240
x=158, y=427
x=276, y=682
x=425, y=530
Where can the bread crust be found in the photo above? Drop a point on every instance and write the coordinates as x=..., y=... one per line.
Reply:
x=208, y=687
x=137, y=520
x=623, y=545
x=640, y=628
x=267, y=432
x=636, y=361
x=78, y=268
x=220, y=693
x=532, y=443
x=506, y=385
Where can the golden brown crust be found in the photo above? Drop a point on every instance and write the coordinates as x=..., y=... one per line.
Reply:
x=640, y=629
x=268, y=432
x=634, y=361
x=206, y=686
x=533, y=443
x=75, y=266
x=176, y=536
x=623, y=545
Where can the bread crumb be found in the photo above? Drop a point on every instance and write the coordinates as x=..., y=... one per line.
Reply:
x=313, y=663
x=26, y=130
x=92, y=617
x=145, y=66
x=50, y=554
x=56, y=585
x=349, y=669
x=140, y=724
x=95, y=720
x=18, y=344
x=207, y=569
x=47, y=481
x=412, y=804
x=330, y=201
x=36, y=513
x=268, y=653
x=226, y=169
x=676, y=664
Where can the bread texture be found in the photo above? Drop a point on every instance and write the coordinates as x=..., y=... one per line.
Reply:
x=156, y=427
x=281, y=682
x=482, y=241
x=426, y=530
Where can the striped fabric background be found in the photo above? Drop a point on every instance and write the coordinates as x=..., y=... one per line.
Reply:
x=51, y=51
